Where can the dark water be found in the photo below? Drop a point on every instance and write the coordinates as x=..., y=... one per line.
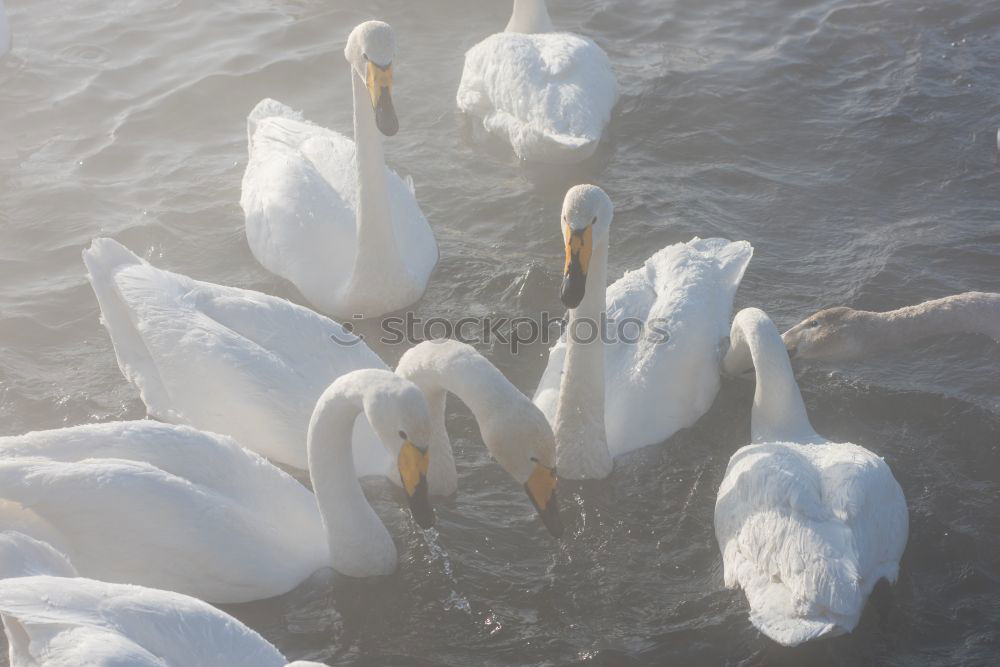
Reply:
x=854, y=144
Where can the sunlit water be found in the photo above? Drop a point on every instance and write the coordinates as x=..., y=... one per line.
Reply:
x=854, y=144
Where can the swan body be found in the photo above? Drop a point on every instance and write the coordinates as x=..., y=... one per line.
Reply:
x=169, y=507
x=61, y=622
x=838, y=334
x=4, y=31
x=227, y=360
x=806, y=526
x=324, y=212
x=606, y=400
x=548, y=94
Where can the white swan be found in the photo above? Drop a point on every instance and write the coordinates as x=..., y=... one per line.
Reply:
x=62, y=622
x=515, y=432
x=806, y=526
x=252, y=366
x=605, y=400
x=323, y=211
x=549, y=94
x=4, y=31
x=838, y=334
x=224, y=359
x=169, y=507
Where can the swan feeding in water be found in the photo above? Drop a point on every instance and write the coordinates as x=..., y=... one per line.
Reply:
x=168, y=506
x=323, y=211
x=548, y=94
x=806, y=526
x=839, y=334
x=252, y=366
x=607, y=399
x=55, y=620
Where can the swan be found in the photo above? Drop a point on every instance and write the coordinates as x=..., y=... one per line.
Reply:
x=838, y=334
x=224, y=359
x=515, y=431
x=4, y=31
x=252, y=366
x=548, y=94
x=605, y=400
x=806, y=526
x=168, y=506
x=324, y=212
x=58, y=621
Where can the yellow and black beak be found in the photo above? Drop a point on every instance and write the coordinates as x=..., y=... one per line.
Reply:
x=579, y=246
x=541, y=488
x=413, y=463
x=380, y=90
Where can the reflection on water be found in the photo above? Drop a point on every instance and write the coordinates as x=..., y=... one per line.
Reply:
x=852, y=144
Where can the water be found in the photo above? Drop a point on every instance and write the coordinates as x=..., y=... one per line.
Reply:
x=854, y=144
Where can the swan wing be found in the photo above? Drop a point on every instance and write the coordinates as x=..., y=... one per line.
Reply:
x=799, y=559
x=129, y=521
x=663, y=377
x=550, y=94
x=62, y=622
x=223, y=359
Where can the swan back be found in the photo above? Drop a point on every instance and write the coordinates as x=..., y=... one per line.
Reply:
x=166, y=506
x=24, y=556
x=807, y=531
x=60, y=621
x=223, y=359
x=549, y=95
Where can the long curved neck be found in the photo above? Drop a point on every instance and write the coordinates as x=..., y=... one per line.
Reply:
x=971, y=312
x=530, y=16
x=778, y=411
x=581, y=437
x=359, y=543
x=377, y=260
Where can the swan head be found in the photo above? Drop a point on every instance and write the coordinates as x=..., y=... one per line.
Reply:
x=586, y=218
x=398, y=413
x=370, y=50
x=833, y=334
x=738, y=360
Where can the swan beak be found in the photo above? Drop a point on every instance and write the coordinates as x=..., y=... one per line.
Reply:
x=413, y=463
x=579, y=245
x=380, y=90
x=541, y=488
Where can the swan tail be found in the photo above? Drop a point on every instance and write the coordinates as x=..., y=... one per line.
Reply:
x=105, y=259
x=268, y=108
x=24, y=556
x=733, y=256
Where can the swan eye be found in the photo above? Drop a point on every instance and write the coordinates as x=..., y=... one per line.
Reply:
x=365, y=56
x=814, y=324
x=402, y=434
x=594, y=221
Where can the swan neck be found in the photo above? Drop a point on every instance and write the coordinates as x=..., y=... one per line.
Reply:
x=581, y=436
x=779, y=414
x=359, y=543
x=377, y=259
x=530, y=16
x=971, y=312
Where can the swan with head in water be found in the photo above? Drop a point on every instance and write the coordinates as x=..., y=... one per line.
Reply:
x=639, y=359
x=549, y=94
x=168, y=506
x=806, y=526
x=252, y=366
x=323, y=211
x=838, y=334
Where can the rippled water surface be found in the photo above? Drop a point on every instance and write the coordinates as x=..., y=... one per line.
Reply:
x=853, y=143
